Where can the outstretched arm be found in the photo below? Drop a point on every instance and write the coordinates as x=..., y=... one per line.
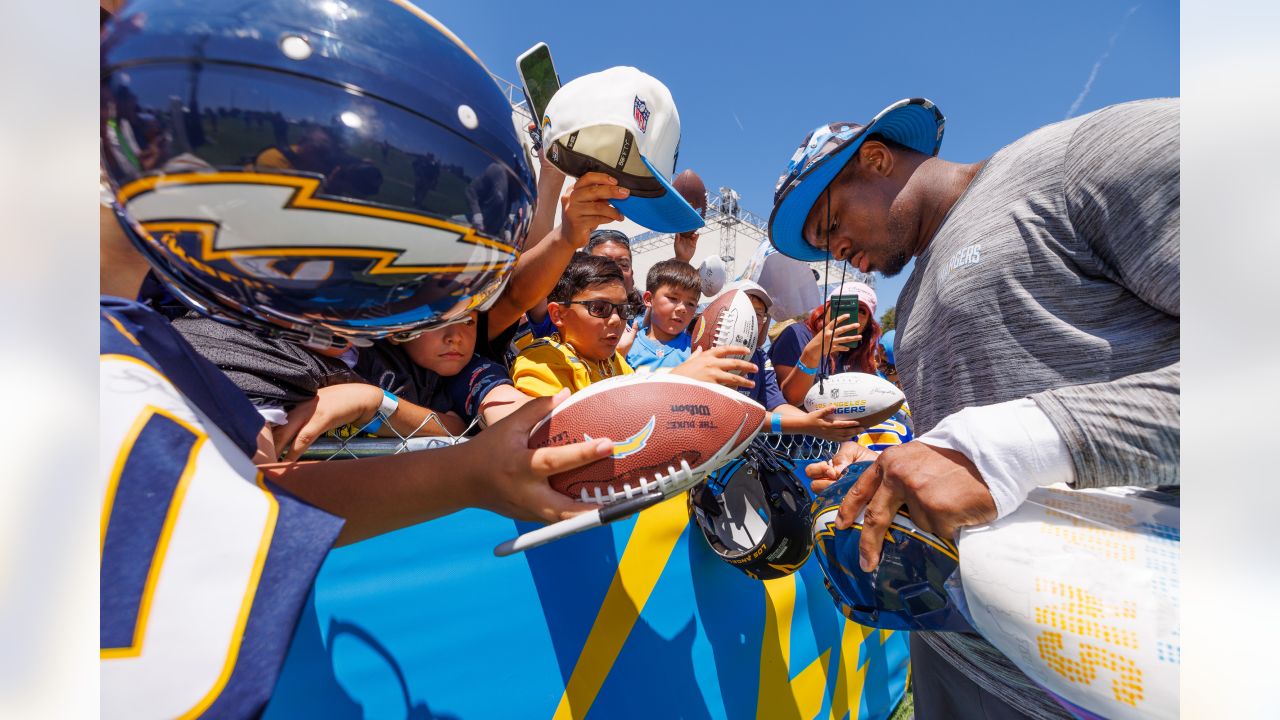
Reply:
x=495, y=471
x=536, y=274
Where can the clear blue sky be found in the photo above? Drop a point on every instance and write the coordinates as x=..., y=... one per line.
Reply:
x=752, y=78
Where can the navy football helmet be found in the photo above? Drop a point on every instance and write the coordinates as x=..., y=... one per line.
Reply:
x=754, y=513
x=314, y=169
x=908, y=590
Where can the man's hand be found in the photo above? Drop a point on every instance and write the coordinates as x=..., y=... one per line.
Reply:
x=511, y=480
x=586, y=207
x=332, y=407
x=821, y=424
x=685, y=245
x=942, y=489
x=715, y=366
x=823, y=474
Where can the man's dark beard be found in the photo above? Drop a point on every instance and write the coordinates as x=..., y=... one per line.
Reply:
x=894, y=266
x=897, y=261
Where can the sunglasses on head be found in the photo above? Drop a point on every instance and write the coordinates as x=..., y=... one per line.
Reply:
x=603, y=309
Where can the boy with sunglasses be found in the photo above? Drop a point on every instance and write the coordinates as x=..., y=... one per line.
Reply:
x=590, y=310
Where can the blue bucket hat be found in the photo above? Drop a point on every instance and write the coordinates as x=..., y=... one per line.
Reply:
x=913, y=122
x=887, y=341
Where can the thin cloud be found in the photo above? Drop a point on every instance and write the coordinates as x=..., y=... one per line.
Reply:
x=735, y=119
x=1093, y=74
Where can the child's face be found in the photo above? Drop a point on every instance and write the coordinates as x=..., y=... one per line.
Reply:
x=445, y=351
x=594, y=338
x=672, y=308
x=762, y=319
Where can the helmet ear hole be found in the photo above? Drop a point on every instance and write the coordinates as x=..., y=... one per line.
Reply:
x=761, y=522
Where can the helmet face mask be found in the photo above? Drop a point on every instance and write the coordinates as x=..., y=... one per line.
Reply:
x=754, y=514
x=317, y=197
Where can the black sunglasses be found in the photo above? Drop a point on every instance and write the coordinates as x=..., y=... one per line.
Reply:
x=603, y=309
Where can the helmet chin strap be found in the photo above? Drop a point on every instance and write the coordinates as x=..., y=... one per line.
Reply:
x=824, y=345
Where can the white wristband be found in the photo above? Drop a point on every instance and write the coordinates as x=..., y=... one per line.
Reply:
x=385, y=411
x=1013, y=444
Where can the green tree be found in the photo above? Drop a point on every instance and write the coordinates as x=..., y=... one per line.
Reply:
x=889, y=319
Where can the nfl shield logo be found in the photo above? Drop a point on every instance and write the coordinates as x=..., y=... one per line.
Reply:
x=641, y=114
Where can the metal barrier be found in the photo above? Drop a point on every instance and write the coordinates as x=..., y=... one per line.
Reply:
x=795, y=447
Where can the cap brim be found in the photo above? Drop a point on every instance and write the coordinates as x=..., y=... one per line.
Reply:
x=786, y=227
x=907, y=122
x=669, y=213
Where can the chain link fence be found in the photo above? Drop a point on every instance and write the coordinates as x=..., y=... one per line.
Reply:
x=796, y=447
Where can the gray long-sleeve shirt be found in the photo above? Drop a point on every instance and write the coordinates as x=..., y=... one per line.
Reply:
x=1056, y=277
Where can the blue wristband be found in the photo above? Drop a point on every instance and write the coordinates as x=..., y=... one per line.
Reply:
x=805, y=368
x=776, y=422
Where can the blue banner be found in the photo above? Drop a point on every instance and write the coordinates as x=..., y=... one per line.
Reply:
x=636, y=619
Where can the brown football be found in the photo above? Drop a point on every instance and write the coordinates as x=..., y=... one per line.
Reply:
x=657, y=421
x=728, y=320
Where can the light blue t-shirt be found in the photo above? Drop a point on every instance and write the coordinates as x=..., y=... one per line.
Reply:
x=647, y=352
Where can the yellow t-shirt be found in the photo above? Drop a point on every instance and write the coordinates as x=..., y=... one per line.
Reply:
x=548, y=365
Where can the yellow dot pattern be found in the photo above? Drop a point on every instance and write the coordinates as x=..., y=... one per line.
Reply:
x=1126, y=685
x=1106, y=544
x=1083, y=613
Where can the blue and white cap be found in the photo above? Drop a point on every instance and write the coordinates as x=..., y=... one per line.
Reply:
x=913, y=122
x=624, y=123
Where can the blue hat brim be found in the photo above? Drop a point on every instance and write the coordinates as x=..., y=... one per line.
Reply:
x=669, y=213
x=914, y=122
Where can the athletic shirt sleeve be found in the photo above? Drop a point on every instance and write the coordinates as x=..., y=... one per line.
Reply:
x=766, y=390
x=388, y=366
x=790, y=344
x=205, y=568
x=467, y=390
x=539, y=370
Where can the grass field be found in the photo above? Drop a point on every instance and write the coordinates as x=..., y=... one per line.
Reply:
x=906, y=709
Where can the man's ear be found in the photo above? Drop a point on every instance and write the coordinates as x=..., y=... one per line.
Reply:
x=555, y=311
x=875, y=157
x=648, y=299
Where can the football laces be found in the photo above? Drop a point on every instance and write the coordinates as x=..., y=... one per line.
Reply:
x=724, y=329
x=675, y=481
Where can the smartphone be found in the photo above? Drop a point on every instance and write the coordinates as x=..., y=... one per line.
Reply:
x=845, y=305
x=538, y=76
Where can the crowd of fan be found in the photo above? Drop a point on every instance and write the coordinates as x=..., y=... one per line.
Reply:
x=594, y=324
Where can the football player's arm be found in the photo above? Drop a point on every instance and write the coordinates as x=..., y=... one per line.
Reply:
x=495, y=471
x=1123, y=198
x=538, y=270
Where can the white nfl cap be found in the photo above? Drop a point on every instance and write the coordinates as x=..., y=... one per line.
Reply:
x=624, y=123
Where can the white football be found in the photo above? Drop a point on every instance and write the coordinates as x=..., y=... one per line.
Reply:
x=728, y=320
x=867, y=398
x=712, y=275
